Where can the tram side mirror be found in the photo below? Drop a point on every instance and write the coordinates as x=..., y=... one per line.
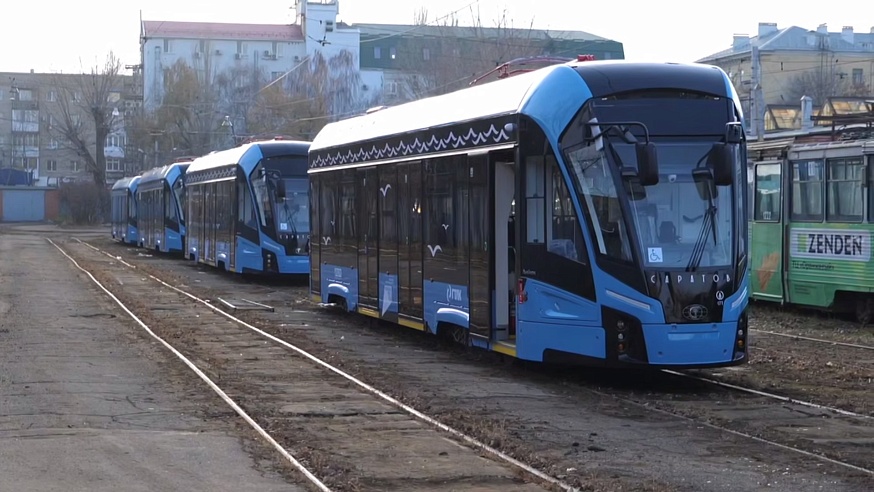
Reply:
x=734, y=133
x=647, y=163
x=720, y=161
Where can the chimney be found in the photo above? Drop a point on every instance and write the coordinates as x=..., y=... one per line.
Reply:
x=766, y=28
x=740, y=41
x=847, y=34
x=822, y=29
x=806, y=112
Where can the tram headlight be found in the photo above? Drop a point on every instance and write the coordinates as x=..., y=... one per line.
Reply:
x=624, y=336
x=270, y=262
x=740, y=341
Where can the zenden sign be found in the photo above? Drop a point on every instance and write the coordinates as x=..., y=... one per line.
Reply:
x=830, y=244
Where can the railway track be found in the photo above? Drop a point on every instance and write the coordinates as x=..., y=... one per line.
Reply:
x=722, y=427
x=821, y=432
x=768, y=395
x=813, y=339
x=338, y=432
x=802, y=414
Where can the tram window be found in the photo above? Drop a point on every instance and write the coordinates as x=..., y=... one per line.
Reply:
x=327, y=209
x=807, y=191
x=594, y=180
x=535, y=176
x=844, y=192
x=442, y=216
x=245, y=208
x=347, y=231
x=169, y=209
x=565, y=235
x=132, y=208
x=767, y=200
x=224, y=205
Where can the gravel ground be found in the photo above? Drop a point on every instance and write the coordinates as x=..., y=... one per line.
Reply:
x=591, y=428
x=86, y=404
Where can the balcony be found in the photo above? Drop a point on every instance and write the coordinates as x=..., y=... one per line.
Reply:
x=25, y=126
x=113, y=152
x=25, y=105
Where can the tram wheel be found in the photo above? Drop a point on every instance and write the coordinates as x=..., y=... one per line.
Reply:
x=864, y=310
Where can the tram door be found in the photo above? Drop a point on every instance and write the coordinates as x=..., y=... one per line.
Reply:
x=387, y=276
x=503, y=270
x=410, y=247
x=368, y=231
x=492, y=244
x=231, y=221
x=766, y=232
x=209, y=222
x=482, y=233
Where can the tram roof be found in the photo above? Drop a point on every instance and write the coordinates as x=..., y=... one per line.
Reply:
x=551, y=93
x=161, y=173
x=267, y=148
x=501, y=97
x=129, y=182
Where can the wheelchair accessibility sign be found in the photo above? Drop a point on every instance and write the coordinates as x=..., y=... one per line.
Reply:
x=655, y=255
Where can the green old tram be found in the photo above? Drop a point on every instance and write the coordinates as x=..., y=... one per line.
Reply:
x=812, y=220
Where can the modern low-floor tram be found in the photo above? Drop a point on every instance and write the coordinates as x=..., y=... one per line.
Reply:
x=248, y=208
x=590, y=213
x=123, y=210
x=161, y=218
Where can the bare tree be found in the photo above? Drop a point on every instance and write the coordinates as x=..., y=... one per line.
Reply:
x=449, y=57
x=279, y=112
x=84, y=113
x=193, y=119
x=825, y=81
x=203, y=111
x=321, y=90
x=191, y=115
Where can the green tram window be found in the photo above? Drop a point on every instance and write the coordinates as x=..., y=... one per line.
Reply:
x=768, y=192
x=807, y=190
x=845, y=202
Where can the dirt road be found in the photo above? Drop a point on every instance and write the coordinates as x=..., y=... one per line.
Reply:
x=84, y=402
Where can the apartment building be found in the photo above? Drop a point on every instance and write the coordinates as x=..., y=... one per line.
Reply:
x=32, y=107
x=774, y=69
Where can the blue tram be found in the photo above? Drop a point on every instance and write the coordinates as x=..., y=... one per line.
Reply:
x=124, y=210
x=248, y=208
x=586, y=213
x=161, y=221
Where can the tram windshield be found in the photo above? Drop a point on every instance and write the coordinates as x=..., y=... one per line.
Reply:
x=178, y=193
x=677, y=224
x=292, y=212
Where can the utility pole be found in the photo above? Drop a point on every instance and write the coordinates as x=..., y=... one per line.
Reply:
x=757, y=101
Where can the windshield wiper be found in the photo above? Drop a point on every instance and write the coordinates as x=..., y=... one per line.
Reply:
x=701, y=242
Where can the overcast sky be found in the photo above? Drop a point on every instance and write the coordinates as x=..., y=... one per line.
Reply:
x=60, y=35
